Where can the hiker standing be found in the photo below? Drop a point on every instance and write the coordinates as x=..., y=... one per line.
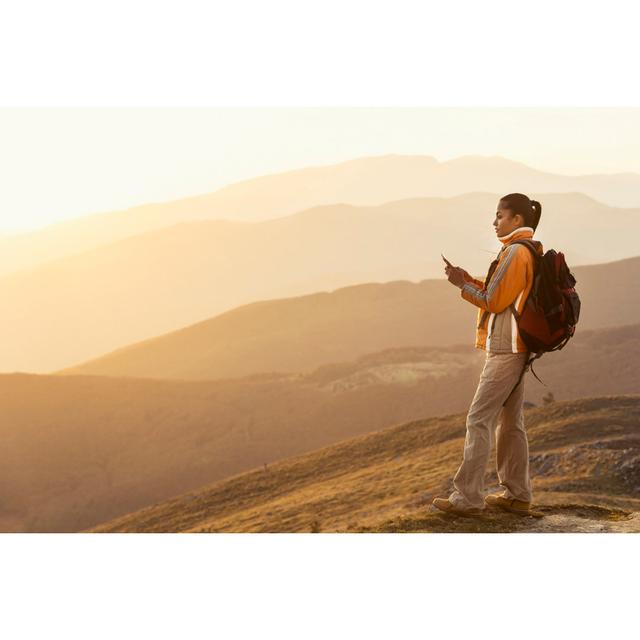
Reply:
x=505, y=289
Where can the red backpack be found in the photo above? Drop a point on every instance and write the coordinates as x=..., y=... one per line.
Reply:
x=551, y=311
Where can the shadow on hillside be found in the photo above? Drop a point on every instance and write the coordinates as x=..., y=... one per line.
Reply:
x=558, y=518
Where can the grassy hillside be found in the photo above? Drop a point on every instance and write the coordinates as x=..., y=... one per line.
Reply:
x=585, y=463
x=78, y=450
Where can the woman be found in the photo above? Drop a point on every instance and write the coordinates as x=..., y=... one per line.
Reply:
x=505, y=289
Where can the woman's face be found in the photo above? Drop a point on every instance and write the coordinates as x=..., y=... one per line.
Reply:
x=504, y=222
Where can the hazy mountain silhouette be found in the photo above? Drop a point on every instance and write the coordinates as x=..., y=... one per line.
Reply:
x=297, y=334
x=79, y=450
x=362, y=181
x=584, y=465
x=90, y=304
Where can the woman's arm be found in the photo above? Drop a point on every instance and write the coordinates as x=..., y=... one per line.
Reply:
x=506, y=283
x=472, y=280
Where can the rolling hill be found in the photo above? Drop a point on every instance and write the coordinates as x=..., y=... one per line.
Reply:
x=585, y=467
x=301, y=333
x=79, y=450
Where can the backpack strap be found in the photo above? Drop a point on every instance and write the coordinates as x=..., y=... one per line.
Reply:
x=527, y=243
x=534, y=373
x=527, y=364
x=536, y=255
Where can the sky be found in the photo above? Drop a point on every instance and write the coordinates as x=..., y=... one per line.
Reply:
x=61, y=163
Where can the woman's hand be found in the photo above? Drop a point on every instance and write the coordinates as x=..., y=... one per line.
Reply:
x=456, y=275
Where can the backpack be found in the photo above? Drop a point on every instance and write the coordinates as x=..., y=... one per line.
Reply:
x=550, y=314
x=551, y=311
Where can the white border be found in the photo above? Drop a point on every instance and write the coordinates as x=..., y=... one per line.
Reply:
x=405, y=53
x=329, y=53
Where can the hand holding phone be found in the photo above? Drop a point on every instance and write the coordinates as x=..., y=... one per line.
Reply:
x=456, y=275
x=448, y=263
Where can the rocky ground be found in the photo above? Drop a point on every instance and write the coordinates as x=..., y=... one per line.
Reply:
x=558, y=518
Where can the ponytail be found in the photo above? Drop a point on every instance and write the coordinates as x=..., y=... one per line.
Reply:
x=537, y=212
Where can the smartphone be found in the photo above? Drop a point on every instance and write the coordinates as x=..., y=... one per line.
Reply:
x=448, y=263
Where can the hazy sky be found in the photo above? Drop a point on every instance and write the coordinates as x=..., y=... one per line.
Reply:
x=67, y=162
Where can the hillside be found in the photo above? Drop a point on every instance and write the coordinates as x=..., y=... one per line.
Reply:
x=585, y=465
x=301, y=333
x=361, y=181
x=79, y=450
x=81, y=307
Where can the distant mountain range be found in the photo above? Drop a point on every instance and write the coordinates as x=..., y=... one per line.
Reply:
x=80, y=450
x=84, y=306
x=368, y=181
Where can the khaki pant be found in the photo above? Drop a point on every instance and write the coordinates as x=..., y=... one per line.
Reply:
x=500, y=373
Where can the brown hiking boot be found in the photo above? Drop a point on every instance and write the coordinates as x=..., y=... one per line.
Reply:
x=511, y=504
x=444, y=505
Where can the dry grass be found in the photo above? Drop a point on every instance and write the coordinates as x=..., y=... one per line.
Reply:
x=385, y=481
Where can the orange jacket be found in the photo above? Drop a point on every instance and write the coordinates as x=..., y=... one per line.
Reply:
x=510, y=284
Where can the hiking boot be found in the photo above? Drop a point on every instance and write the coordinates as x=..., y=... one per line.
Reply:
x=444, y=505
x=510, y=504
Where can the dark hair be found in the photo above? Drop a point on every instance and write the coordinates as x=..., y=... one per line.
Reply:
x=530, y=210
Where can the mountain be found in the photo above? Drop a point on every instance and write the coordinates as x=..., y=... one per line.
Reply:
x=362, y=181
x=584, y=462
x=80, y=450
x=87, y=305
x=301, y=333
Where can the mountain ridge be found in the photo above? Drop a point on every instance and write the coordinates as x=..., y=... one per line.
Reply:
x=428, y=312
x=271, y=195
